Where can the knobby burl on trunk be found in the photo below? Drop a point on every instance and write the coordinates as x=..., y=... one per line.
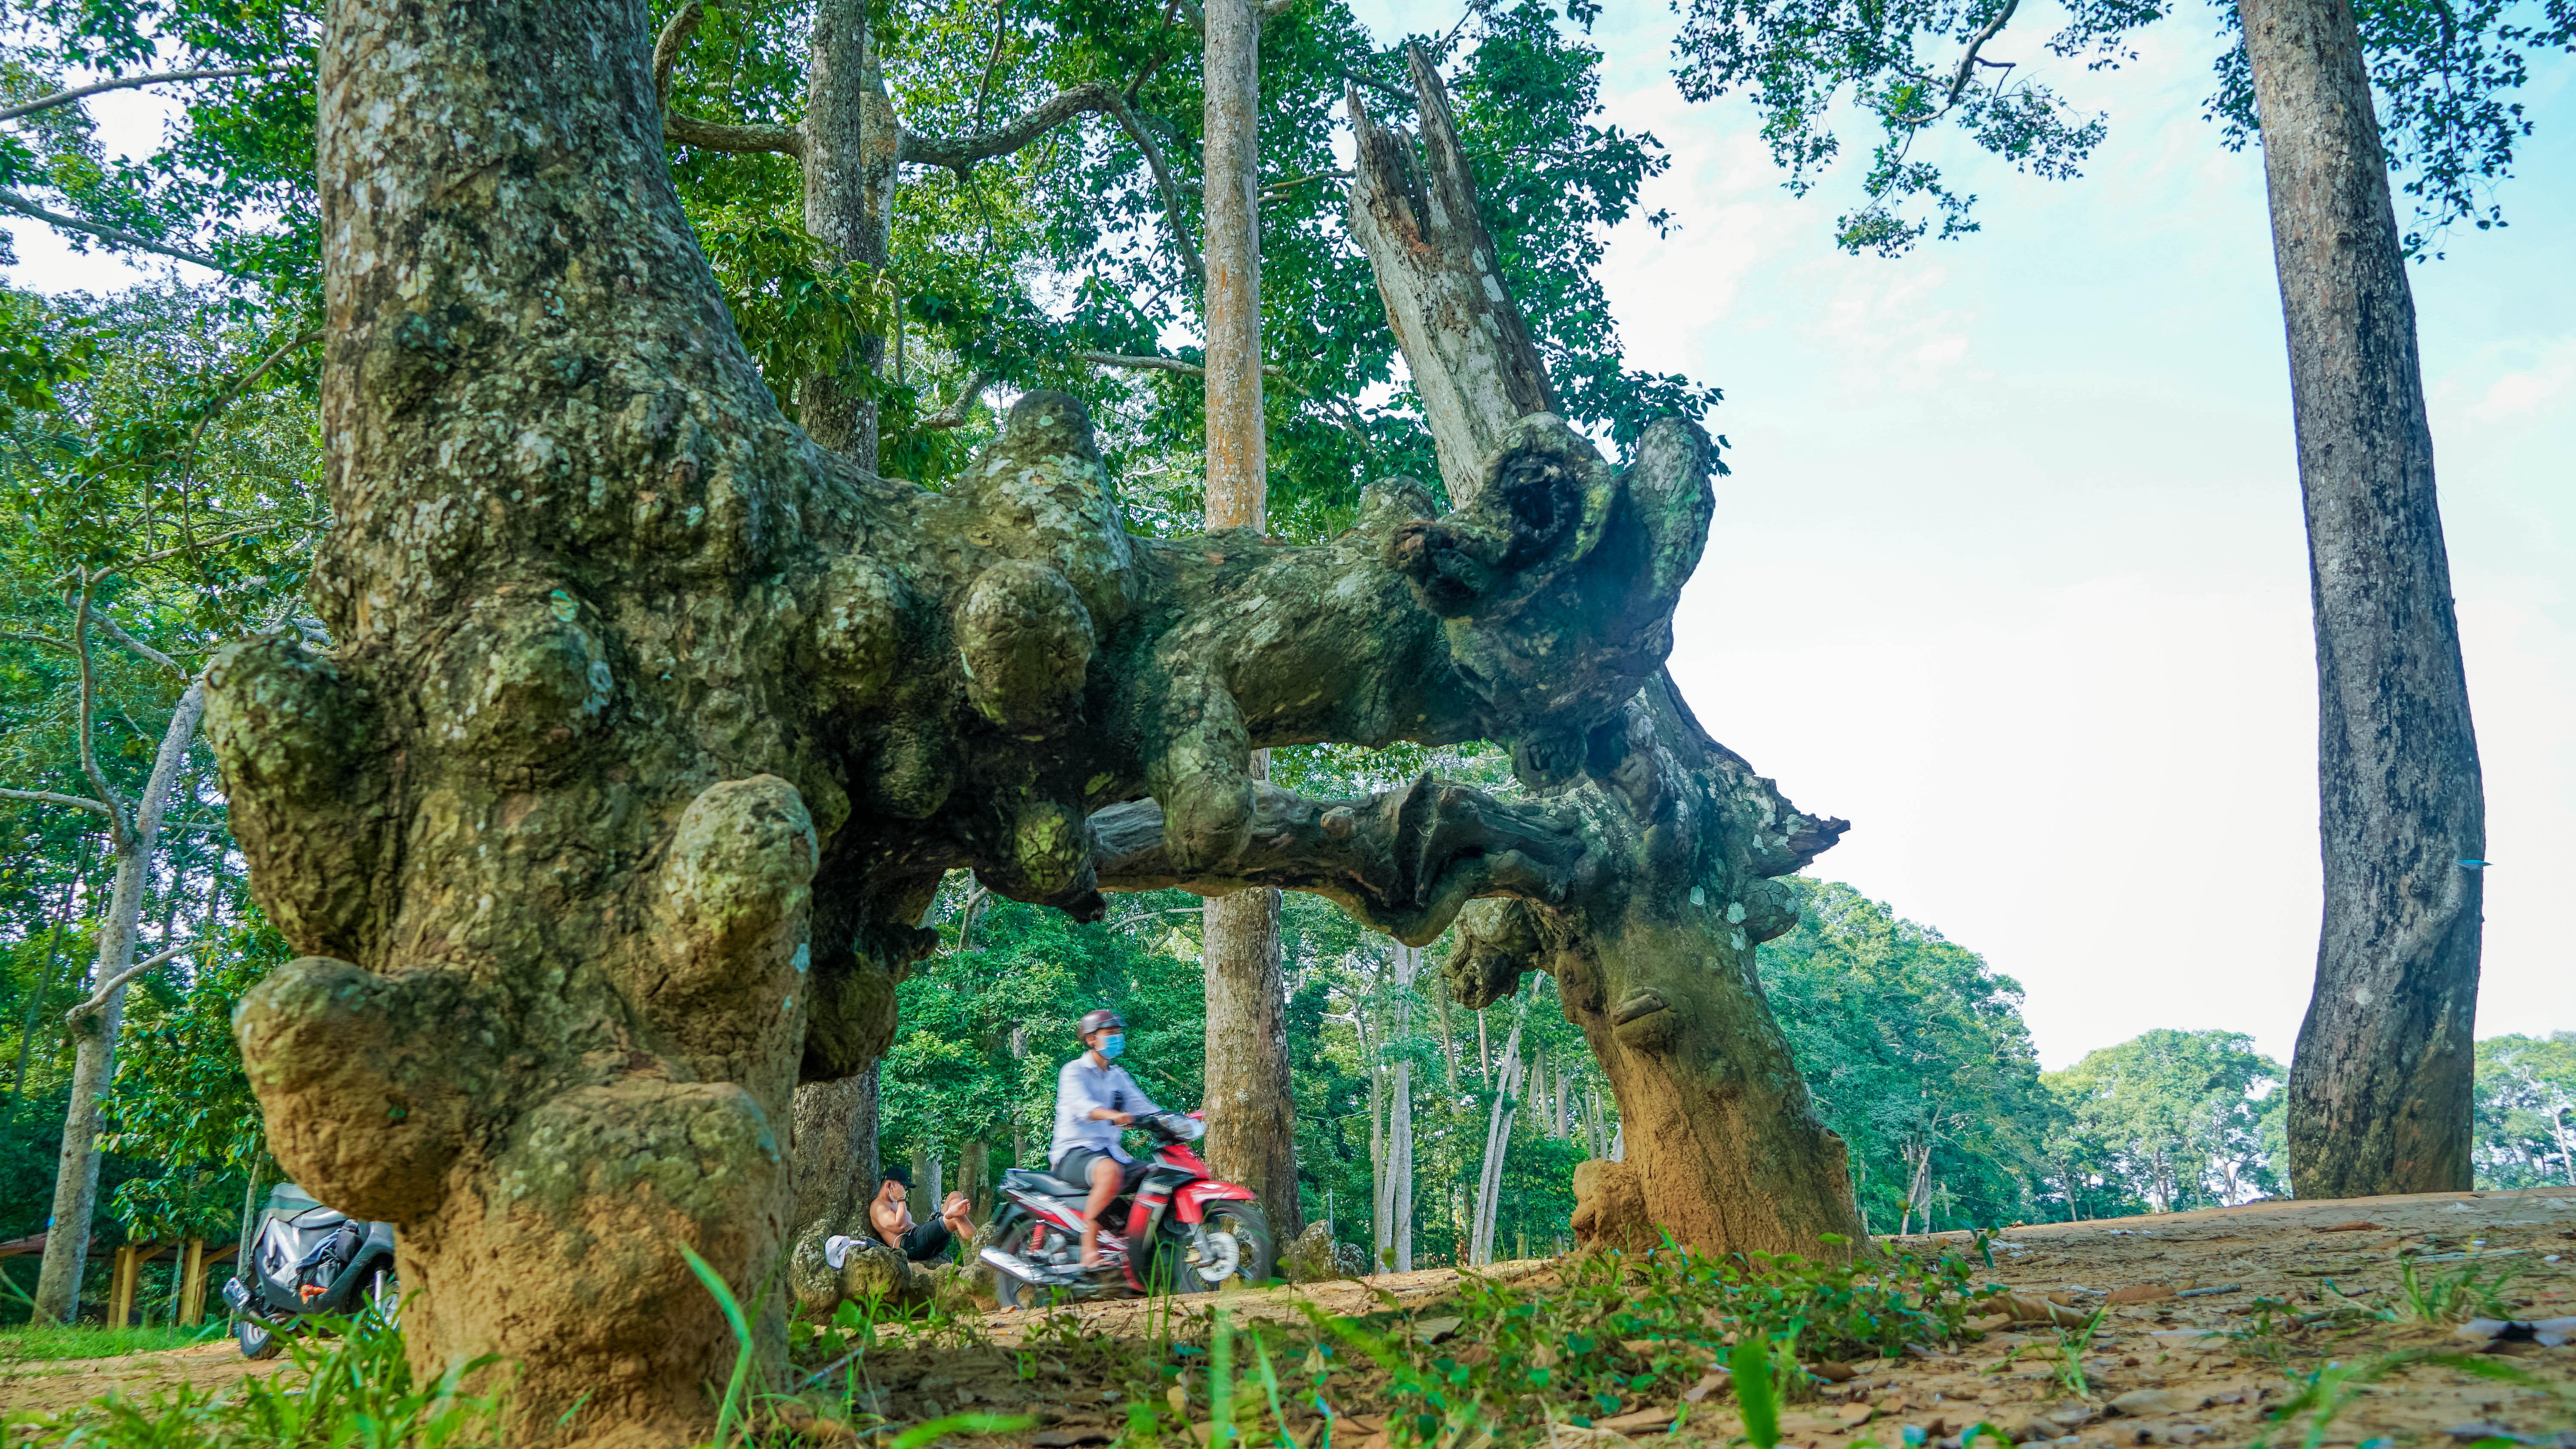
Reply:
x=652, y=726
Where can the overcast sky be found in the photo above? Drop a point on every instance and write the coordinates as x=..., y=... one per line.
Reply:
x=2010, y=572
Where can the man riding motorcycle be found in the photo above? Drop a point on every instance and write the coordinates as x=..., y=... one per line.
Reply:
x=1095, y=1100
x=1103, y=1223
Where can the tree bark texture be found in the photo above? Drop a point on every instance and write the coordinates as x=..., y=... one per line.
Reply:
x=1237, y=458
x=833, y=1153
x=2380, y=1085
x=95, y=1028
x=1251, y=1112
x=652, y=726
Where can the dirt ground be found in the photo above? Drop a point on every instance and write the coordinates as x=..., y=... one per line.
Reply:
x=58, y=1384
x=2197, y=1367
x=2211, y=1371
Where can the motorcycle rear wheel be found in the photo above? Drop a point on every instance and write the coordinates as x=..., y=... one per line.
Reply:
x=1008, y=1291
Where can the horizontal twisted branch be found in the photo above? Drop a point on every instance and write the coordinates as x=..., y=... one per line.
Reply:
x=1404, y=861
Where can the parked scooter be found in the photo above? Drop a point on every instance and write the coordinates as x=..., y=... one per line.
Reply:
x=1185, y=1231
x=307, y=1260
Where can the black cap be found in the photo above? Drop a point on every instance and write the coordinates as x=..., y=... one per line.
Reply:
x=895, y=1172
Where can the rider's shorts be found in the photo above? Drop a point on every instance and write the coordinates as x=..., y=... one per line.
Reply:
x=1075, y=1167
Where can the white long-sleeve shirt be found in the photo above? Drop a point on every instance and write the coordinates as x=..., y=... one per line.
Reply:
x=1079, y=1088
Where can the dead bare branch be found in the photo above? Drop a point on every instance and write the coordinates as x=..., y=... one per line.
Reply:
x=12, y=201
x=1968, y=61
x=709, y=135
x=110, y=986
x=49, y=797
x=958, y=413
x=64, y=98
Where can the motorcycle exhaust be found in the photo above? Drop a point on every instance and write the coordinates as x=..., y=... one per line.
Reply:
x=1028, y=1272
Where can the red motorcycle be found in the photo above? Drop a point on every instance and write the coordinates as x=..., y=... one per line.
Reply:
x=1185, y=1231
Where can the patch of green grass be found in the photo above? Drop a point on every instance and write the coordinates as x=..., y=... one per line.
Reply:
x=2332, y=1388
x=1618, y=1332
x=37, y=1342
x=354, y=1388
x=2072, y=1345
x=2461, y=1294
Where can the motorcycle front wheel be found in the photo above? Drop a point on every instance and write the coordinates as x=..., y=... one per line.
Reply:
x=257, y=1339
x=384, y=1297
x=1239, y=1250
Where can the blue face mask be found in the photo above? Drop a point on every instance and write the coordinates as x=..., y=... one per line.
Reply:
x=1112, y=1044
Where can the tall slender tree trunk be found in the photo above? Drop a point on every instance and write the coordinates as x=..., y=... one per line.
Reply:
x=1381, y=1224
x=1252, y=1123
x=1408, y=974
x=975, y=1177
x=1448, y=1043
x=94, y=1063
x=850, y=145
x=1498, y=1138
x=1394, y=1213
x=2380, y=1086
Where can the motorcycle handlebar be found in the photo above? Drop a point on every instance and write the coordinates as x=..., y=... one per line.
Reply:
x=1173, y=1126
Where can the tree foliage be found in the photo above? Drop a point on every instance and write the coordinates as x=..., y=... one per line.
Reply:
x=2177, y=1119
x=1918, y=1056
x=2446, y=77
x=2526, y=1111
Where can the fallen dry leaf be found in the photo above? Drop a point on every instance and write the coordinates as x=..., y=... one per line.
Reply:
x=2150, y=1403
x=2141, y=1293
x=1708, y=1384
x=1643, y=1421
x=2355, y=1226
x=1432, y=1330
x=1855, y=1414
x=2031, y=1308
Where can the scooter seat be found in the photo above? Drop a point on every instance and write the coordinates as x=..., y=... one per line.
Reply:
x=1031, y=1180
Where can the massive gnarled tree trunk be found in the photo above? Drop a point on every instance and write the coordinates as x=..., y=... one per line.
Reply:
x=652, y=727
x=2380, y=1087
